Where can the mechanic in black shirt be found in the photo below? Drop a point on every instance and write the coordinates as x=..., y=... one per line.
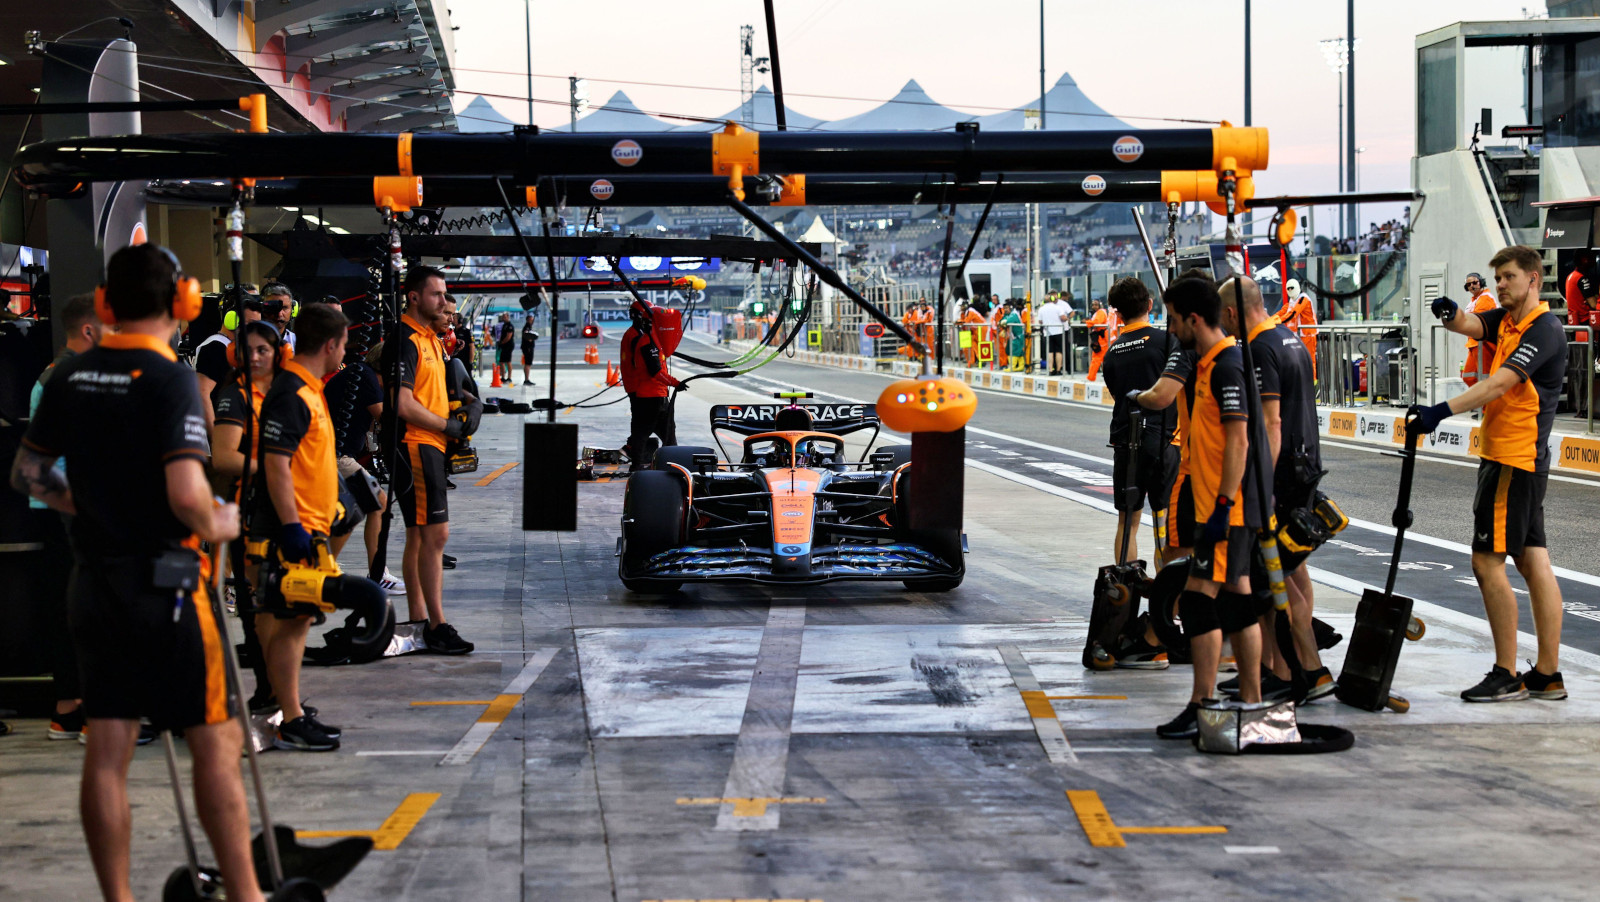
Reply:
x=355, y=395
x=530, y=340
x=1287, y=382
x=1133, y=363
x=211, y=363
x=128, y=418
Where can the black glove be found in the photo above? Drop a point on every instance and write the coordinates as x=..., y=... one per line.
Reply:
x=470, y=414
x=294, y=543
x=1216, y=526
x=1132, y=397
x=1445, y=309
x=454, y=429
x=1423, y=420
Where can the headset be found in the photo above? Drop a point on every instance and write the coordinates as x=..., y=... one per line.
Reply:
x=282, y=350
x=184, y=303
x=278, y=289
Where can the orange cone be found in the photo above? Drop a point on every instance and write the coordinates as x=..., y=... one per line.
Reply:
x=612, y=376
x=591, y=354
x=496, y=383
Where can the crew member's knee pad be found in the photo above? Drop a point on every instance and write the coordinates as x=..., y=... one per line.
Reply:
x=1199, y=613
x=1237, y=610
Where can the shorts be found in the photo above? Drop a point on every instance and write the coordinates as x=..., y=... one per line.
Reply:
x=1227, y=560
x=1180, y=514
x=503, y=354
x=1056, y=343
x=132, y=659
x=420, y=475
x=527, y=355
x=1508, y=509
x=1136, y=477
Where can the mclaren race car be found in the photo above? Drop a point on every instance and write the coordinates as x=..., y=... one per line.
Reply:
x=791, y=508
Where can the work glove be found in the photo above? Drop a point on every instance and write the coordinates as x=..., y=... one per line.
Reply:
x=1132, y=397
x=1423, y=420
x=677, y=383
x=1216, y=527
x=470, y=414
x=294, y=543
x=1445, y=309
x=454, y=428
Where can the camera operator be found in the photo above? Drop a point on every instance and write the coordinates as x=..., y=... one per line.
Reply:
x=279, y=307
x=128, y=418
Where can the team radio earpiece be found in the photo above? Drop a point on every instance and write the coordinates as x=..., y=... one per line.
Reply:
x=282, y=352
x=184, y=304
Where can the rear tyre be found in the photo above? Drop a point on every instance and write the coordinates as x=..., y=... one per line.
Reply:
x=682, y=455
x=653, y=513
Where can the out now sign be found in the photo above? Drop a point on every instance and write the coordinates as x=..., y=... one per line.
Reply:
x=1579, y=453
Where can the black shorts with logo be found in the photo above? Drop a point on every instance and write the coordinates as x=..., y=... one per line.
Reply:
x=1227, y=560
x=527, y=355
x=1056, y=342
x=1180, y=515
x=1136, y=476
x=133, y=659
x=420, y=485
x=1508, y=509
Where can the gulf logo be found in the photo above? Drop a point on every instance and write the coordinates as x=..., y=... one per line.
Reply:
x=1094, y=185
x=627, y=152
x=602, y=189
x=1128, y=148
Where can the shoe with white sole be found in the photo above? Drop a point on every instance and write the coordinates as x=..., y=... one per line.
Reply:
x=392, y=584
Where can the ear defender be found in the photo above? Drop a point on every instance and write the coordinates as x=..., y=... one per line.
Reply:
x=186, y=298
x=230, y=321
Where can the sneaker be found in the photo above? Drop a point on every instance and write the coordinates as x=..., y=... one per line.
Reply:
x=67, y=726
x=1550, y=688
x=1322, y=684
x=1498, y=685
x=147, y=732
x=448, y=484
x=1141, y=655
x=392, y=584
x=303, y=735
x=444, y=640
x=262, y=701
x=449, y=562
x=5, y=728
x=1273, y=689
x=311, y=715
x=1185, y=726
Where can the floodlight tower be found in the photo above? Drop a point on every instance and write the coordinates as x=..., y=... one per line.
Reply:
x=749, y=65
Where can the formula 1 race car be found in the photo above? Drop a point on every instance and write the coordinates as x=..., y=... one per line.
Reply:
x=791, y=509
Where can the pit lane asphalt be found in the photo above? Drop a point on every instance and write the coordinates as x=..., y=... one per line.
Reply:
x=1064, y=444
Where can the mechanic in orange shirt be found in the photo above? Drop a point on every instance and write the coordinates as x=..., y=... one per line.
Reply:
x=972, y=327
x=1478, y=354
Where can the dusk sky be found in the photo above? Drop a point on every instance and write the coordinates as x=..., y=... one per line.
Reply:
x=1159, y=58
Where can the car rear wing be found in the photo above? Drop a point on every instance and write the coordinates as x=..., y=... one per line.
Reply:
x=752, y=419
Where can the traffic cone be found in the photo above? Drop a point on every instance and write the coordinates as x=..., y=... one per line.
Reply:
x=591, y=354
x=496, y=383
x=612, y=376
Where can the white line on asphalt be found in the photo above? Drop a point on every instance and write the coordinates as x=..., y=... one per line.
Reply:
x=398, y=753
x=1250, y=850
x=1048, y=729
x=761, y=756
x=484, y=727
x=1111, y=749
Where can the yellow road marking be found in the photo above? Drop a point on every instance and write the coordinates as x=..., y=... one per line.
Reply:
x=1112, y=698
x=1104, y=833
x=495, y=474
x=395, y=828
x=1038, y=704
x=753, y=807
x=499, y=708
x=481, y=701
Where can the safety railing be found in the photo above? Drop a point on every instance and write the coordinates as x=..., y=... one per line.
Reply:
x=1366, y=363
x=1581, y=366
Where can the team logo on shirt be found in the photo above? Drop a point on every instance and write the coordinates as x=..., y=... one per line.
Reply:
x=1093, y=185
x=1128, y=148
